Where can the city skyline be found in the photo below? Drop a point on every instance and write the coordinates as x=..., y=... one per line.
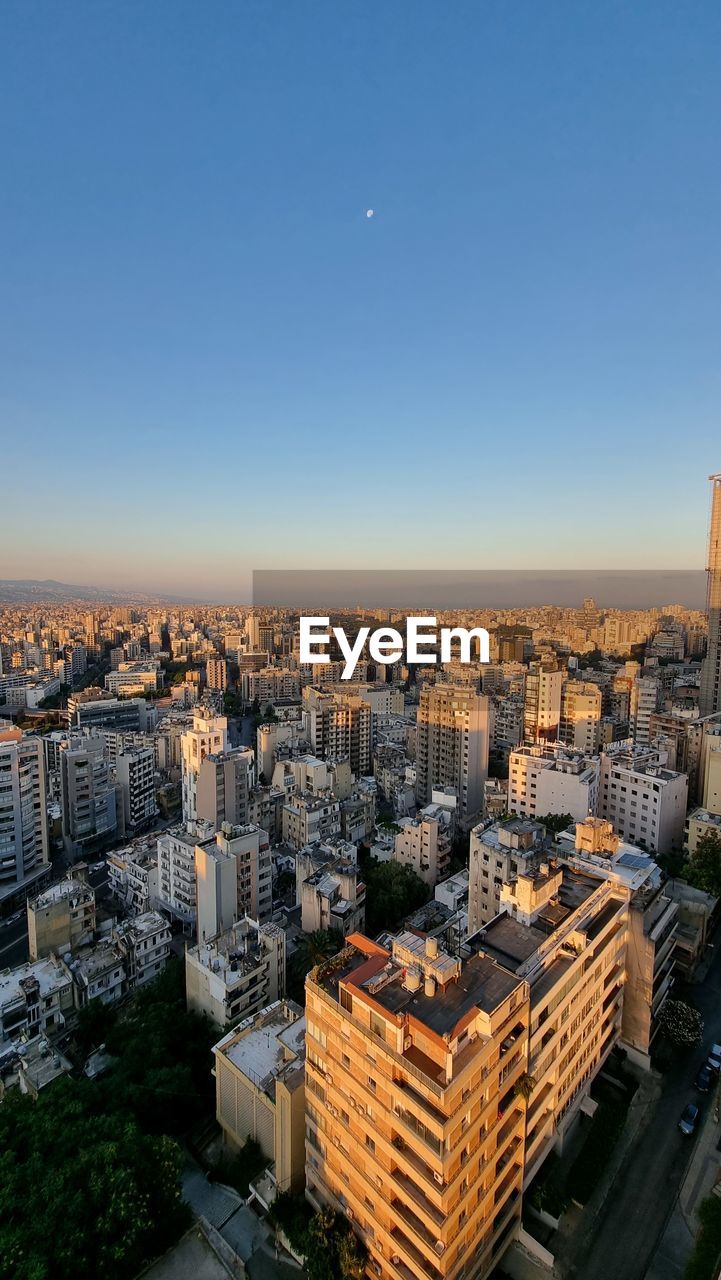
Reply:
x=199, y=315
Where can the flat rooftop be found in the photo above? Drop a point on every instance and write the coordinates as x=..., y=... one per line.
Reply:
x=481, y=984
x=508, y=941
x=268, y=1047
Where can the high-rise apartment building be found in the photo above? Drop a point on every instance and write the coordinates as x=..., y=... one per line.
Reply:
x=452, y=746
x=542, y=707
x=89, y=800
x=208, y=736
x=135, y=776
x=579, y=726
x=24, y=844
x=216, y=671
x=338, y=727
x=223, y=787
x=414, y=1129
x=710, y=692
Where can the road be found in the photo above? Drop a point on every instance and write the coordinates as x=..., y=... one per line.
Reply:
x=647, y=1185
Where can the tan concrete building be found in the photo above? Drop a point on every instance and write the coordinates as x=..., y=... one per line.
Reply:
x=496, y=854
x=413, y=1126
x=234, y=975
x=260, y=1090
x=579, y=726
x=61, y=919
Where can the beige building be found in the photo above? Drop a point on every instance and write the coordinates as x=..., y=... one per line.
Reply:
x=216, y=671
x=61, y=919
x=496, y=854
x=309, y=818
x=237, y=973
x=260, y=1091
x=452, y=746
x=542, y=702
x=24, y=841
x=413, y=1126
x=711, y=793
x=338, y=727
x=223, y=787
x=34, y=999
x=250, y=846
x=422, y=845
x=701, y=823
x=579, y=726
x=329, y=888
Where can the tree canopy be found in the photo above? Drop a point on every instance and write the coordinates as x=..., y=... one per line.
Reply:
x=311, y=950
x=704, y=869
x=680, y=1022
x=392, y=892
x=82, y=1193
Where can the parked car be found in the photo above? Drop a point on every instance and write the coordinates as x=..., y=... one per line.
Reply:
x=704, y=1078
x=689, y=1119
x=714, y=1058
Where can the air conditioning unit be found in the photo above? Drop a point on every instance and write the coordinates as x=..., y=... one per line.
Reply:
x=379, y=1180
x=439, y=1247
x=376, y=1268
x=408, y=1042
x=360, y=1109
x=349, y=1213
x=396, y=1259
x=336, y=1140
x=329, y=1077
x=438, y=1177
x=352, y=1103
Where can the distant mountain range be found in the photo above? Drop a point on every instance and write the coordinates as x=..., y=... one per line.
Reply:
x=48, y=591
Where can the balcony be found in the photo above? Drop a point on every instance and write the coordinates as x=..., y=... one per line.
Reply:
x=418, y=1196
x=417, y=1226
x=416, y=1127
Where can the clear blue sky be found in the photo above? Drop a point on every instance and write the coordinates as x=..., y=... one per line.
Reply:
x=210, y=359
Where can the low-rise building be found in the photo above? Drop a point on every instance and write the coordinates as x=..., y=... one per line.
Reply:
x=329, y=888
x=423, y=845
x=34, y=999
x=309, y=818
x=497, y=852
x=236, y=974
x=552, y=779
x=62, y=918
x=260, y=1090
x=133, y=875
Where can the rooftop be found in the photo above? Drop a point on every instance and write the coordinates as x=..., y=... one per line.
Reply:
x=269, y=1046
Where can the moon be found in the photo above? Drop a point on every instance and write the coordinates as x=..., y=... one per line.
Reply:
x=370, y=213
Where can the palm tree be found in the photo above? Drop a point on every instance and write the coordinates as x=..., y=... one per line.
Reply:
x=524, y=1086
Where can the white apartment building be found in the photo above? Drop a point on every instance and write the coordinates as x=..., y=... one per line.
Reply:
x=144, y=943
x=89, y=799
x=552, y=779
x=34, y=999
x=249, y=845
x=423, y=845
x=234, y=975
x=271, y=685
x=24, y=842
x=133, y=875
x=338, y=727
x=176, y=870
x=644, y=802
x=208, y=736
x=134, y=677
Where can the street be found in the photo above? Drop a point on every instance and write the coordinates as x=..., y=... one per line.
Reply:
x=645, y=1191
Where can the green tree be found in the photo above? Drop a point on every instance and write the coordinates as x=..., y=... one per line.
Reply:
x=393, y=891
x=555, y=822
x=524, y=1086
x=82, y=1193
x=311, y=950
x=680, y=1023
x=704, y=869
